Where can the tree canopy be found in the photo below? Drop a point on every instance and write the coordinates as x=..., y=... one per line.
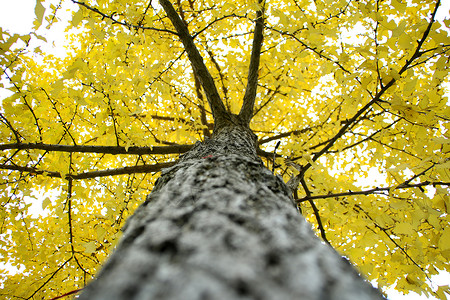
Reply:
x=351, y=109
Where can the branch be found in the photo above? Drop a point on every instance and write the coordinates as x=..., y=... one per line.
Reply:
x=125, y=170
x=167, y=118
x=198, y=88
x=66, y=129
x=222, y=77
x=370, y=137
x=124, y=23
x=31, y=170
x=114, y=150
x=265, y=153
x=69, y=206
x=218, y=109
x=285, y=134
x=92, y=174
x=233, y=15
x=24, y=97
x=316, y=212
x=67, y=294
x=246, y=112
x=317, y=51
x=389, y=235
x=50, y=278
x=376, y=98
x=171, y=63
x=377, y=190
x=15, y=132
x=269, y=100
x=417, y=53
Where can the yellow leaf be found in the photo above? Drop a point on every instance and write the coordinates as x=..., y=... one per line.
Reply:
x=442, y=290
x=444, y=240
x=77, y=17
x=394, y=74
x=46, y=202
x=447, y=23
x=89, y=247
x=101, y=232
x=399, y=6
x=441, y=140
x=405, y=42
x=403, y=228
x=39, y=11
x=410, y=85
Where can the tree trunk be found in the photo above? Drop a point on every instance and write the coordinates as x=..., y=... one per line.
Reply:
x=219, y=225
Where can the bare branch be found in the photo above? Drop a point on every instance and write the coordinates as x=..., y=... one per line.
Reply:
x=246, y=112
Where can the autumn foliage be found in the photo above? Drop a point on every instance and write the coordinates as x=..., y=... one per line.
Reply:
x=354, y=93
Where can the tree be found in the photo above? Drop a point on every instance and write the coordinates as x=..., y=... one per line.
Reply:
x=141, y=82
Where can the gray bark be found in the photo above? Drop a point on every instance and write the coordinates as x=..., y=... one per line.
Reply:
x=219, y=225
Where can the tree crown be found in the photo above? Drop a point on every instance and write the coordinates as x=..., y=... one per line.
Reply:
x=335, y=91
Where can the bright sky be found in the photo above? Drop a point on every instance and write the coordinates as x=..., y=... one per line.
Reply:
x=17, y=16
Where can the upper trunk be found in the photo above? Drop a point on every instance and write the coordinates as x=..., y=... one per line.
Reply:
x=219, y=225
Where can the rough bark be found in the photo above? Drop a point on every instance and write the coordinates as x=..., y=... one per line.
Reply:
x=219, y=225
x=246, y=112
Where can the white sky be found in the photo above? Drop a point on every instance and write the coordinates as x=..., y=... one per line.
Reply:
x=17, y=16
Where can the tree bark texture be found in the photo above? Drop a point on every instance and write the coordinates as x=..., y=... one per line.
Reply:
x=219, y=225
